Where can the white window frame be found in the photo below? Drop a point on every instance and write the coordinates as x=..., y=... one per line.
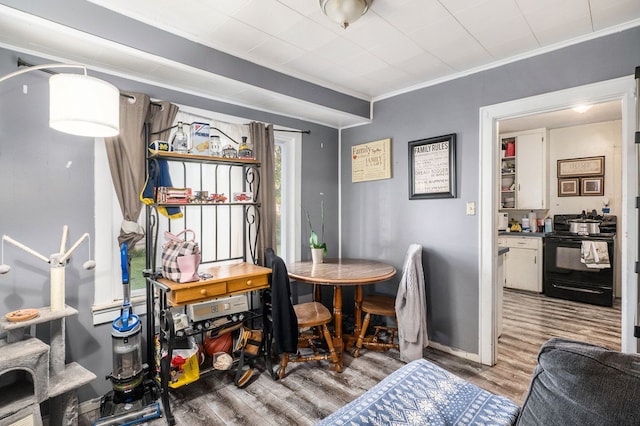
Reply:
x=108, y=218
x=291, y=144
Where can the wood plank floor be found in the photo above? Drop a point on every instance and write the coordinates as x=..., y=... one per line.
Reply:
x=309, y=393
x=529, y=320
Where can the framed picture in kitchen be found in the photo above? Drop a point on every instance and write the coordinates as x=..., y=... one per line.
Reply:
x=432, y=167
x=569, y=187
x=578, y=167
x=592, y=186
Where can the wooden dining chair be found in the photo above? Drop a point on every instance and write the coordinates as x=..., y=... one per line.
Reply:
x=384, y=336
x=296, y=327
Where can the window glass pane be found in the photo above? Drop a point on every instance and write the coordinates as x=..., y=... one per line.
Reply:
x=138, y=259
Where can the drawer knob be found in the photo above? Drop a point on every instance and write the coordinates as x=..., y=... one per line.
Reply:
x=249, y=282
x=203, y=292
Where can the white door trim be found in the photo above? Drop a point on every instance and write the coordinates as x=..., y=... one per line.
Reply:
x=622, y=89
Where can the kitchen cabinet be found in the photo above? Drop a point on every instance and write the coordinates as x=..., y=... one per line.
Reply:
x=523, y=262
x=524, y=183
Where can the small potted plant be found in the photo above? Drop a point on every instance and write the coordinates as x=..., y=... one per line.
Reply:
x=318, y=246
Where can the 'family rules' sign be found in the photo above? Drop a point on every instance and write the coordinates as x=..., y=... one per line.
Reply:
x=371, y=161
x=432, y=167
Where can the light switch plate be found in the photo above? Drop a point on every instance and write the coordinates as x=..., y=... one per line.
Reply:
x=471, y=208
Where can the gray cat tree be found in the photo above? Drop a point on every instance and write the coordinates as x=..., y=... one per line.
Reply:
x=31, y=371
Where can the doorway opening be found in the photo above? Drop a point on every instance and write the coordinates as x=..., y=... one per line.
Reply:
x=621, y=90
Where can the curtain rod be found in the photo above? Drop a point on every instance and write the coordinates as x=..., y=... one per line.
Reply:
x=23, y=63
x=306, y=132
x=124, y=95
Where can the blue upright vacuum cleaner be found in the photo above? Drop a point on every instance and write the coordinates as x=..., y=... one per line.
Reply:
x=134, y=398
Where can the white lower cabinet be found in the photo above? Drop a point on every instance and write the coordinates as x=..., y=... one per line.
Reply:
x=523, y=262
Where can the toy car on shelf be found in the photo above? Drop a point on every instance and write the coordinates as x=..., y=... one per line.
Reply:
x=218, y=198
x=242, y=197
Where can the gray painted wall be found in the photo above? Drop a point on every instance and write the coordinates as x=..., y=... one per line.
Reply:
x=378, y=219
x=41, y=192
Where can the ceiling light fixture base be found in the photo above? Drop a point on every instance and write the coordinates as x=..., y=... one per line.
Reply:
x=344, y=12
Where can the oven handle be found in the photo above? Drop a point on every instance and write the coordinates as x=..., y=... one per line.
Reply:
x=575, y=240
x=583, y=290
x=566, y=240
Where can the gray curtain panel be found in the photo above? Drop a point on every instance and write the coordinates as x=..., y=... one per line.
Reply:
x=126, y=154
x=263, y=145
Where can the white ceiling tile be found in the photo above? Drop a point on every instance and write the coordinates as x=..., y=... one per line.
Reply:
x=337, y=49
x=497, y=16
x=549, y=36
x=607, y=13
x=341, y=73
x=373, y=32
x=307, y=35
x=553, y=21
x=309, y=63
x=362, y=63
x=498, y=25
x=410, y=15
x=237, y=37
x=227, y=7
x=450, y=43
x=269, y=16
x=360, y=84
x=274, y=52
x=390, y=75
x=505, y=47
x=425, y=64
x=396, y=50
x=306, y=8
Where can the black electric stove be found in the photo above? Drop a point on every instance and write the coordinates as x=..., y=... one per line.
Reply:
x=567, y=275
x=562, y=224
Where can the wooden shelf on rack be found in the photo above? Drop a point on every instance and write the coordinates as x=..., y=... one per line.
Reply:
x=205, y=158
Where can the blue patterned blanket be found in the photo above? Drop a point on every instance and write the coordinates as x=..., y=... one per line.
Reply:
x=421, y=393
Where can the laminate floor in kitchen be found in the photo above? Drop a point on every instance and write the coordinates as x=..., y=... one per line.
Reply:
x=529, y=320
x=309, y=392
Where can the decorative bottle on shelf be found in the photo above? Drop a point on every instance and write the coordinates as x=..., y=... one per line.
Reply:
x=180, y=141
x=246, y=149
x=215, y=148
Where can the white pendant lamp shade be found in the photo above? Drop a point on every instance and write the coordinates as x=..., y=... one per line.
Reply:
x=344, y=12
x=83, y=105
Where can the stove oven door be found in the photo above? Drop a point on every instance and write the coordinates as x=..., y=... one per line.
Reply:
x=566, y=277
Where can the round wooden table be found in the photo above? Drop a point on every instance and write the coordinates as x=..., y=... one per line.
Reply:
x=339, y=273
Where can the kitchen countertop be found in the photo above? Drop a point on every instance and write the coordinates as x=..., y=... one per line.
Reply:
x=502, y=250
x=523, y=234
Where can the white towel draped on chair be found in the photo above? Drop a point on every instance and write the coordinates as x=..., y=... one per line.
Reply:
x=595, y=254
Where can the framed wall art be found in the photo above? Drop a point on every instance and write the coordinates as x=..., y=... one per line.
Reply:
x=575, y=167
x=371, y=161
x=432, y=167
x=568, y=187
x=592, y=186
